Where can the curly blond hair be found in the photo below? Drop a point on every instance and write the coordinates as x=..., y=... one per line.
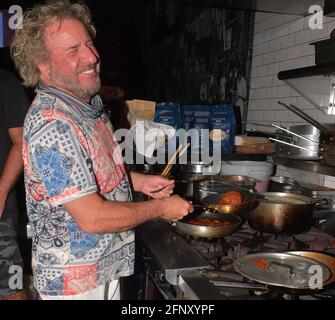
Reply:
x=28, y=47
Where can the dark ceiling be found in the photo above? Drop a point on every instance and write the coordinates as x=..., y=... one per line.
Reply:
x=5, y=4
x=298, y=7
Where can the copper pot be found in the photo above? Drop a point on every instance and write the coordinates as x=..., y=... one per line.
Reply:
x=278, y=212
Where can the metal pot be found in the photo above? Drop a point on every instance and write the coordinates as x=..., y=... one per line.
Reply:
x=327, y=132
x=206, y=231
x=199, y=186
x=298, y=142
x=278, y=212
x=219, y=184
x=199, y=168
x=295, y=142
x=185, y=184
x=184, y=188
x=288, y=185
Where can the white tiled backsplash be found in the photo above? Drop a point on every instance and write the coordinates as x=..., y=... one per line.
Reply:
x=281, y=42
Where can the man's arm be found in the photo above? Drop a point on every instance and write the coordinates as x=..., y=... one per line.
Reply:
x=13, y=166
x=96, y=215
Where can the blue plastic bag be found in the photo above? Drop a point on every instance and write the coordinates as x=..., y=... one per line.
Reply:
x=223, y=126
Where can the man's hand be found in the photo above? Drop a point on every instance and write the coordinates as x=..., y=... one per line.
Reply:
x=157, y=187
x=153, y=186
x=3, y=198
x=175, y=208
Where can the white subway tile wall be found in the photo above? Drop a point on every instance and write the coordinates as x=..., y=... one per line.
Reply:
x=282, y=42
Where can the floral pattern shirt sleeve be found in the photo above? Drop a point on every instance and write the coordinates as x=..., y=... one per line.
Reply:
x=61, y=163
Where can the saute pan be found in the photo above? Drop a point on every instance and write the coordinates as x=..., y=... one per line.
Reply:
x=207, y=231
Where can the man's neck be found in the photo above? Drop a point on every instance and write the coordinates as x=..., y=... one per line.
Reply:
x=87, y=99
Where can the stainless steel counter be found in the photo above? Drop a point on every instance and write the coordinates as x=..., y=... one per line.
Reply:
x=169, y=258
x=311, y=166
x=172, y=255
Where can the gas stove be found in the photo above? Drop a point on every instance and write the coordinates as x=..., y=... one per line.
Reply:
x=247, y=241
x=202, y=268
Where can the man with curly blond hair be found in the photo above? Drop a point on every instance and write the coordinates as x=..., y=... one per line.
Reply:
x=78, y=192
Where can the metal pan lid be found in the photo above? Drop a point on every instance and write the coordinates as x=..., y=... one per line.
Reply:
x=281, y=269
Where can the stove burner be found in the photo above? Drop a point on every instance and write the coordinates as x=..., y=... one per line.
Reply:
x=246, y=241
x=211, y=249
x=221, y=253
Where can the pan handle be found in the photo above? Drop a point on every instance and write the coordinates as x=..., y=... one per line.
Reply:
x=209, y=207
x=258, y=124
x=295, y=134
x=214, y=192
x=293, y=145
x=318, y=203
x=305, y=116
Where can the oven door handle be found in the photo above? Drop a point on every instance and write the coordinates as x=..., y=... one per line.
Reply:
x=243, y=285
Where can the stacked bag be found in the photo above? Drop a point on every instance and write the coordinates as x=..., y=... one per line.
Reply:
x=217, y=121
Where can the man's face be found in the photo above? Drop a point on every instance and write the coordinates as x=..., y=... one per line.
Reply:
x=74, y=63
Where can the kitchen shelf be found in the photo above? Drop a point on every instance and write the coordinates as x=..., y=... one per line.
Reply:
x=243, y=157
x=311, y=166
x=307, y=72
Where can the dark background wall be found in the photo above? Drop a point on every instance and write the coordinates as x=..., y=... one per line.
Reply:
x=201, y=55
x=122, y=40
x=165, y=50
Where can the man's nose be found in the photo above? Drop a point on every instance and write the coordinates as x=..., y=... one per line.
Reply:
x=90, y=55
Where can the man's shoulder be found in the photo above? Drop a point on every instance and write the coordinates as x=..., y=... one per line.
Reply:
x=46, y=110
x=49, y=107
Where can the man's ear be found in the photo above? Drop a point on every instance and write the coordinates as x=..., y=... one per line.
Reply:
x=44, y=69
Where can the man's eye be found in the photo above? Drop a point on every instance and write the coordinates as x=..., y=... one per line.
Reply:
x=72, y=51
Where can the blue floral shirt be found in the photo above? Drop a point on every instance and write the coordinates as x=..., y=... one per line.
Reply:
x=69, y=152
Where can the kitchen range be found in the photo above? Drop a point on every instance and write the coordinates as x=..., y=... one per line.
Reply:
x=248, y=260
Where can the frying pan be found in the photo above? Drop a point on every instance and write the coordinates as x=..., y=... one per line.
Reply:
x=320, y=258
x=206, y=231
x=329, y=283
x=211, y=203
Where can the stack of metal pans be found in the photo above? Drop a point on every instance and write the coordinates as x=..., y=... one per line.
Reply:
x=288, y=185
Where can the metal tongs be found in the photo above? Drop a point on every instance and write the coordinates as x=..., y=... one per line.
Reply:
x=290, y=132
x=294, y=134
